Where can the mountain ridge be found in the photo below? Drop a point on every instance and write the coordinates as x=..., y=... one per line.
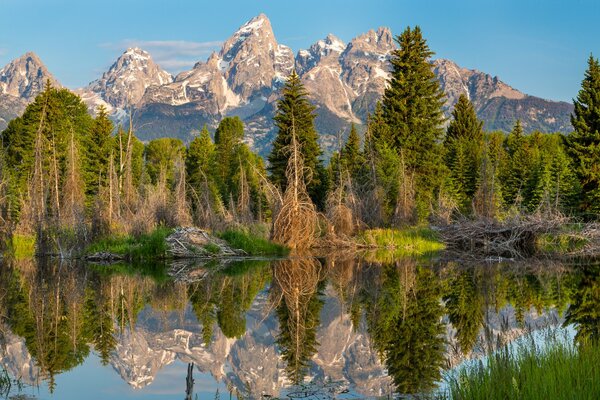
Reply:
x=243, y=78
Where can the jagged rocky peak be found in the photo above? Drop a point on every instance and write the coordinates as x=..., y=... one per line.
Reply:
x=478, y=86
x=372, y=44
x=128, y=78
x=331, y=46
x=252, y=60
x=25, y=77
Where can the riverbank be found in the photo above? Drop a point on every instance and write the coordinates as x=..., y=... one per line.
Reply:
x=465, y=240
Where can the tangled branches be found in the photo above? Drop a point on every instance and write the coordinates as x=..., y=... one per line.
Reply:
x=515, y=238
x=295, y=223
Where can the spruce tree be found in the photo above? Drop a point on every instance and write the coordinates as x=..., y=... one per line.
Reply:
x=518, y=168
x=295, y=115
x=464, y=142
x=351, y=157
x=412, y=109
x=99, y=145
x=200, y=159
x=228, y=137
x=584, y=142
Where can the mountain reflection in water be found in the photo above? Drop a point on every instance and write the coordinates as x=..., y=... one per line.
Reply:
x=351, y=325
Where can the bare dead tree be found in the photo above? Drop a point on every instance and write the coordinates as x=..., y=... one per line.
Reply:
x=295, y=223
x=182, y=215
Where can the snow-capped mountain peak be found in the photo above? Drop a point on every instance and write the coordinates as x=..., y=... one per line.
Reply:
x=127, y=79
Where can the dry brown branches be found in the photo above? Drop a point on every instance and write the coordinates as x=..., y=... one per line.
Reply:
x=295, y=223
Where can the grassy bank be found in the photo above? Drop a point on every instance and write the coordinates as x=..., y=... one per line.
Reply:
x=558, y=371
x=413, y=241
x=150, y=246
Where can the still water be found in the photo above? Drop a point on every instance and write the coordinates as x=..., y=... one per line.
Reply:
x=348, y=326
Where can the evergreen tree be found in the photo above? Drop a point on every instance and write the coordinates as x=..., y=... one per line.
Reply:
x=49, y=122
x=464, y=142
x=488, y=200
x=351, y=157
x=161, y=155
x=200, y=159
x=584, y=142
x=98, y=146
x=228, y=137
x=412, y=108
x=518, y=166
x=295, y=116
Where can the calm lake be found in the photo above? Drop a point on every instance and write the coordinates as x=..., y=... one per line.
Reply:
x=346, y=326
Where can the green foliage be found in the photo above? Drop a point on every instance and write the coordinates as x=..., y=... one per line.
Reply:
x=464, y=146
x=295, y=116
x=161, y=155
x=22, y=246
x=252, y=244
x=584, y=142
x=145, y=247
x=55, y=114
x=584, y=311
x=99, y=146
x=412, y=109
x=465, y=308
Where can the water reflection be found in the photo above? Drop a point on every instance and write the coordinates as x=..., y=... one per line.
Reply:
x=355, y=323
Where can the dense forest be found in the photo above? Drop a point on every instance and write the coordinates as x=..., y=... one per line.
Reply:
x=67, y=178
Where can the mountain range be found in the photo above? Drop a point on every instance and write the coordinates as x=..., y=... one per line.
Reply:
x=244, y=78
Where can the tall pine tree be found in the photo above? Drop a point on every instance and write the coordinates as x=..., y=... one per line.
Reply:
x=412, y=108
x=584, y=142
x=464, y=142
x=295, y=115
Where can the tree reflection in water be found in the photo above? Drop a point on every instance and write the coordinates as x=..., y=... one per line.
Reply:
x=417, y=316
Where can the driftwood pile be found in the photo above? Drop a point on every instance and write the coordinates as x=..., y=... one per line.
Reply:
x=514, y=238
x=192, y=242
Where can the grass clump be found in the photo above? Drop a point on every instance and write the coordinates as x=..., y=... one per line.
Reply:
x=144, y=247
x=252, y=244
x=408, y=241
x=558, y=371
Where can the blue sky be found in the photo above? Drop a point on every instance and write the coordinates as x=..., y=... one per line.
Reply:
x=537, y=46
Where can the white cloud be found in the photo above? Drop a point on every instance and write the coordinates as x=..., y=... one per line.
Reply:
x=172, y=55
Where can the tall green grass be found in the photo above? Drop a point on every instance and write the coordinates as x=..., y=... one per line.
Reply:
x=252, y=244
x=144, y=247
x=558, y=370
x=409, y=241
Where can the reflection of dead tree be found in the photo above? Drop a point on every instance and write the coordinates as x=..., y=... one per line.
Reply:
x=189, y=382
x=295, y=283
x=295, y=223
